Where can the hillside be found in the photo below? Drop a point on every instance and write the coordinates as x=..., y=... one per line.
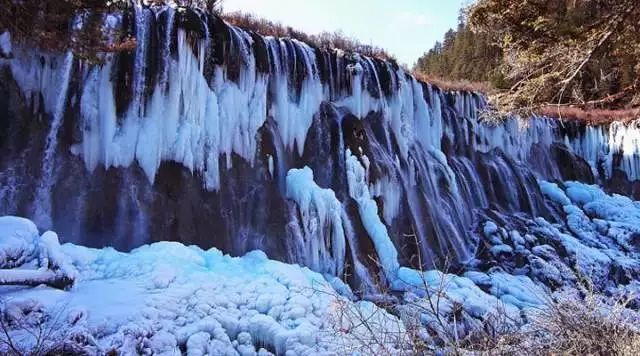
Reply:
x=561, y=58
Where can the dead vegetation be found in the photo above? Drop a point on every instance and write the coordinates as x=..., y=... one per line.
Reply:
x=453, y=85
x=570, y=323
x=590, y=116
x=49, y=25
x=584, y=323
x=27, y=328
x=76, y=25
x=425, y=321
x=336, y=40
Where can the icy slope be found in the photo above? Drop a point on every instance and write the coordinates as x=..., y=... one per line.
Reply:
x=168, y=298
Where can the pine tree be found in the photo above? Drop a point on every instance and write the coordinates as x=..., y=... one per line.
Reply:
x=463, y=55
x=582, y=53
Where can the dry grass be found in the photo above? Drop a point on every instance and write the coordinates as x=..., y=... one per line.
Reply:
x=591, y=116
x=336, y=40
x=566, y=324
x=453, y=85
x=581, y=321
x=577, y=321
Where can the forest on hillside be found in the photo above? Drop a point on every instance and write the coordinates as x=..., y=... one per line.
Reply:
x=540, y=54
x=463, y=55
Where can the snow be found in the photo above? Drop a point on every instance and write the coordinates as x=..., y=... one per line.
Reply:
x=51, y=255
x=490, y=228
x=18, y=241
x=166, y=294
x=553, y=192
x=167, y=297
x=359, y=191
x=600, y=229
x=38, y=257
x=321, y=219
x=581, y=194
x=501, y=249
x=597, y=213
x=518, y=291
x=447, y=289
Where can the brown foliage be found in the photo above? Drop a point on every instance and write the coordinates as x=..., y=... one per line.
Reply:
x=337, y=40
x=73, y=25
x=565, y=52
x=591, y=116
x=453, y=85
x=48, y=24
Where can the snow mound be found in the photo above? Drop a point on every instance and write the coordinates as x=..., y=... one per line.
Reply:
x=164, y=297
x=18, y=238
x=26, y=256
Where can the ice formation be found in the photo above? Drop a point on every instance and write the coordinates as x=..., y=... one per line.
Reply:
x=359, y=191
x=348, y=165
x=321, y=213
x=169, y=298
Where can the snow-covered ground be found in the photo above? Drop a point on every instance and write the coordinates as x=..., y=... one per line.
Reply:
x=167, y=298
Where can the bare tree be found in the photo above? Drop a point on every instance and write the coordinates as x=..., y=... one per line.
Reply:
x=27, y=328
x=427, y=321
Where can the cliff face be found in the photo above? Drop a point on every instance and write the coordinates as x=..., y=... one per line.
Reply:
x=202, y=133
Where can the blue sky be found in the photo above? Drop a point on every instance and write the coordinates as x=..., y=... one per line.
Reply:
x=406, y=28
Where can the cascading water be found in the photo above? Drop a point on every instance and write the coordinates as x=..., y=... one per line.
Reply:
x=213, y=135
x=42, y=202
x=142, y=36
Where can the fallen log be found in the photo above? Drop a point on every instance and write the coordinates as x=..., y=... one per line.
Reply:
x=33, y=278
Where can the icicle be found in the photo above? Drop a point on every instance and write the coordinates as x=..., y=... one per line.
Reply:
x=42, y=203
x=359, y=191
x=323, y=246
x=139, y=80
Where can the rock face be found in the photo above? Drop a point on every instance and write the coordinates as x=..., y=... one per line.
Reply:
x=192, y=136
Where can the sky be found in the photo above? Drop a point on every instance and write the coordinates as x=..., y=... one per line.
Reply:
x=405, y=28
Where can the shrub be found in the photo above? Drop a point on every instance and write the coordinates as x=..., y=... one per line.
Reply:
x=587, y=324
x=27, y=328
x=591, y=116
x=337, y=40
x=577, y=321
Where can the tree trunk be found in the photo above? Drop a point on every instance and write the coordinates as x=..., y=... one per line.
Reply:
x=32, y=278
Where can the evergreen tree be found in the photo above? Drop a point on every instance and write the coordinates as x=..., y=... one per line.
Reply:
x=582, y=53
x=463, y=55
